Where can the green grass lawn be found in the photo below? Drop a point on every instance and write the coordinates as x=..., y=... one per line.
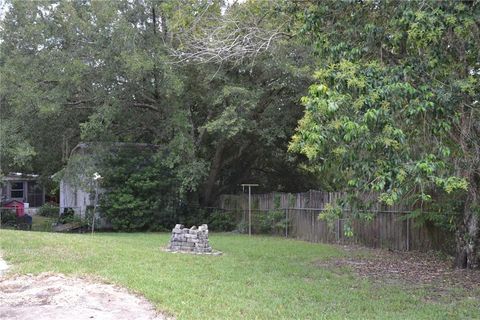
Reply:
x=256, y=278
x=40, y=223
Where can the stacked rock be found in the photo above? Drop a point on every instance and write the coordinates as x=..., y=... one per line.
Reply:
x=190, y=240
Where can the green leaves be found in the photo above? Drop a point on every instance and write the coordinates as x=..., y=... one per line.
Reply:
x=139, y=188
x=451, y=184
x=228, y=124
x=394, y=106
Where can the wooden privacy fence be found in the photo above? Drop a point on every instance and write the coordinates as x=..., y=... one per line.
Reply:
x=387, y=229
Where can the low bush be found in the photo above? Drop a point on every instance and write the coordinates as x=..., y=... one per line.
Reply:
x=221, y=221
x=272, y=222
x=68, y=216
x=49, y=210
x=8, y=217
x=242, y=227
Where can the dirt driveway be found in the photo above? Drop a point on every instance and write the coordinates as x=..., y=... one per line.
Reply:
x=53, y=296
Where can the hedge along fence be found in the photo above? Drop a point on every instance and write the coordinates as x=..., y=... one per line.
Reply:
x=296, y=216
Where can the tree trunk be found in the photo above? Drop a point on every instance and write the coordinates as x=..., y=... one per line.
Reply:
x=468, y=255
x=468, y=234
x=214, y=171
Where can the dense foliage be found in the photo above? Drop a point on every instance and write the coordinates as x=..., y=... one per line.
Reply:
x=139, y=191
x=107, y=71
x=395, y=107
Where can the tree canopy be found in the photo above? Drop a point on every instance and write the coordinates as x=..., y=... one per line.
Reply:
x=108, y=71
x=395, y=105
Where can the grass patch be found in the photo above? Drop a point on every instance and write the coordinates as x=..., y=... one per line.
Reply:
x=256, y=278
x=40, y=223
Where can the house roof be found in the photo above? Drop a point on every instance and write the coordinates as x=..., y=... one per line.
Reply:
x=18, y=176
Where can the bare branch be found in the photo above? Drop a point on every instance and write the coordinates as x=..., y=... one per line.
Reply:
x=145, y=106
x=227, y=39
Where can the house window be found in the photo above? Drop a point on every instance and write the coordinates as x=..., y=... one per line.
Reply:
x=16, y=190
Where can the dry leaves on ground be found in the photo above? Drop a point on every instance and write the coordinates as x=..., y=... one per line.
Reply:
x=412, y=269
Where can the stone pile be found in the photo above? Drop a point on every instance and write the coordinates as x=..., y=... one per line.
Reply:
x=193, y=240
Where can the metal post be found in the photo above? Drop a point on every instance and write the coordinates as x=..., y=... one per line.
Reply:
x=286, y=223
x=96, y=177
x=95, y=206
x=249, y=185
x=249, y=210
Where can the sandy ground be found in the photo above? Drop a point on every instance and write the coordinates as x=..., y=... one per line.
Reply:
x=3, y=266
x=53, y=296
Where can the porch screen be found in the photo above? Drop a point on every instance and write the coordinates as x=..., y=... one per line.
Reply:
x=35, y=194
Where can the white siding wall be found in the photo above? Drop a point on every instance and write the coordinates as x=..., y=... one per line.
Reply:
x=71, y=197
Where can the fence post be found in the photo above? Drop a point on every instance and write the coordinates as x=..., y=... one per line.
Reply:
x=338, y=230
x=286, y=223
x=313, y=234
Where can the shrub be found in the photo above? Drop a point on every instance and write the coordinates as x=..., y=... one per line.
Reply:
x=221, y=221
x=8, y=217
x=273, y=222
x=139, y=193
x=68, y=216
x=242, y=227
x=49, y=210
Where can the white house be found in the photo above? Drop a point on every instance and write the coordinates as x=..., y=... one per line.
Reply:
x=76, y=192
x=75, y=198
